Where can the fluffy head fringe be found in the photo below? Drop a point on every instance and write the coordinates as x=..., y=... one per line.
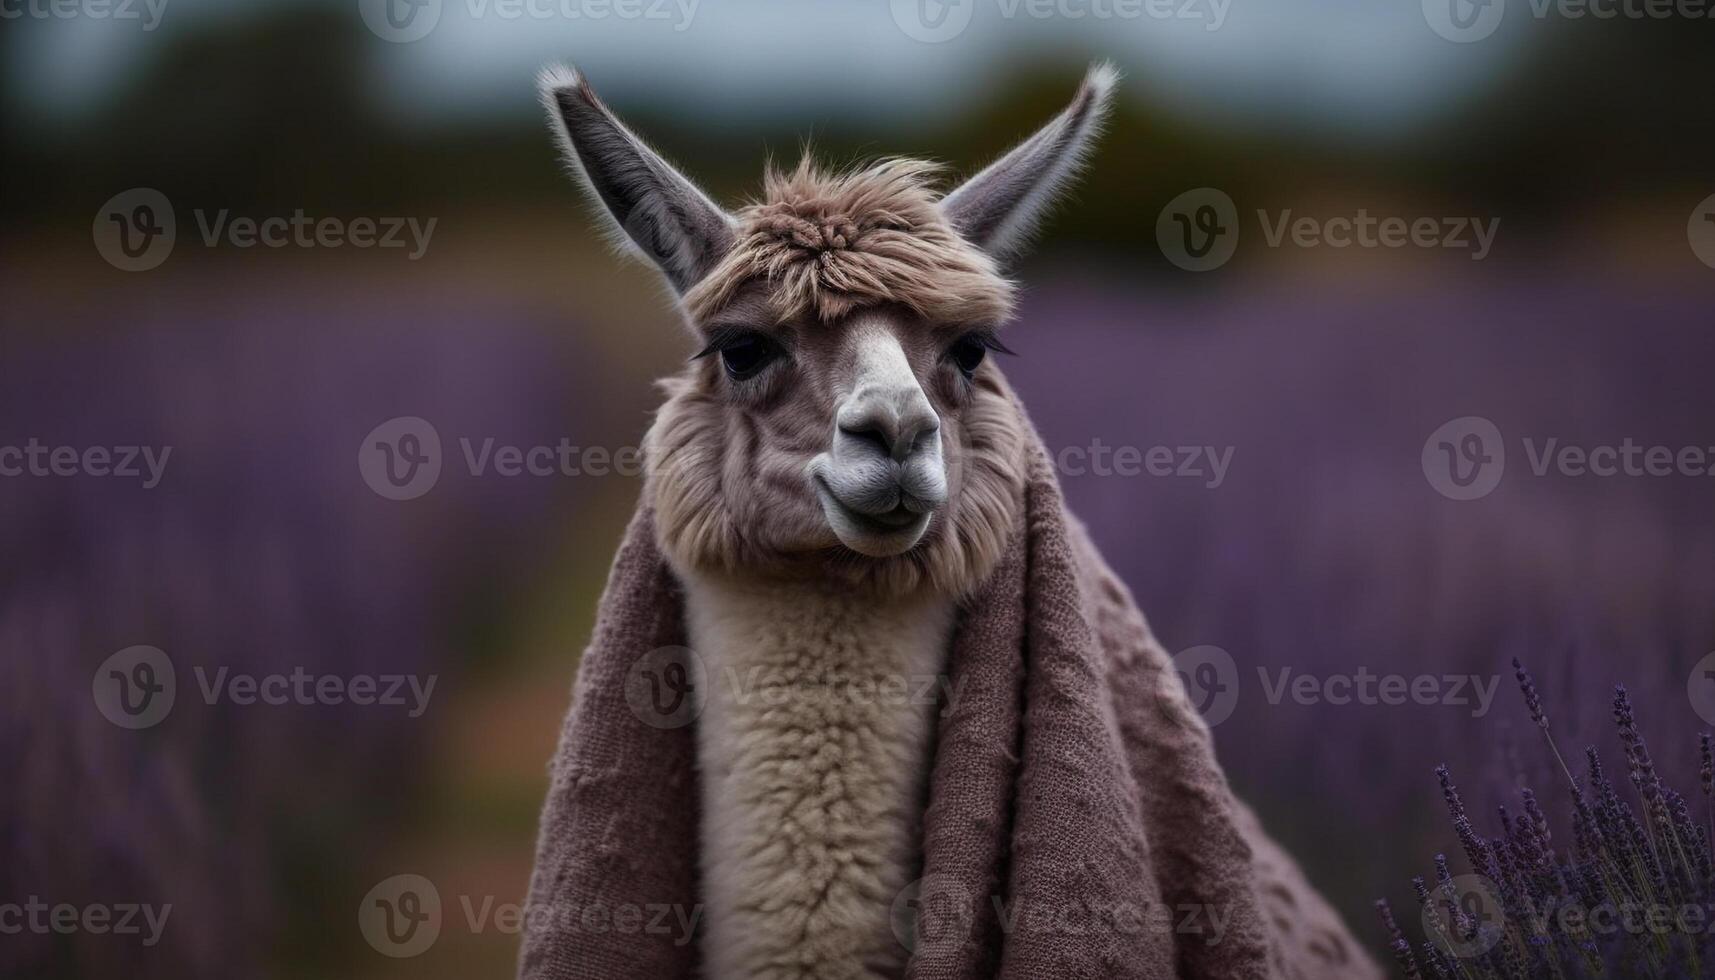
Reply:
x=830, y=243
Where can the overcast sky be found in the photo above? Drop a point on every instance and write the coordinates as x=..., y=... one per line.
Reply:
x=1345, y=65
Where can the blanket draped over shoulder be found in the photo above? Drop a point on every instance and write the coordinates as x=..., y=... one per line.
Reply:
x=1078, y=823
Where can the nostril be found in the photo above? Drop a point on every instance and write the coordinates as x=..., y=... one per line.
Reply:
x=870, y=434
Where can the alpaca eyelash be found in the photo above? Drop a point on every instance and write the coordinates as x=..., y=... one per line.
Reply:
x=723, y=337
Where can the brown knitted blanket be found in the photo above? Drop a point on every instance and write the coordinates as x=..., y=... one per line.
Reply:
x=1078, y=823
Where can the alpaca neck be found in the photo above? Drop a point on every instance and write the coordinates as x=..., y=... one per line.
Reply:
x=814, y=748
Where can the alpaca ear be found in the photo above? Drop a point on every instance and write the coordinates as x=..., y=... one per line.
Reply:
x=997, y=209
x=653, y=208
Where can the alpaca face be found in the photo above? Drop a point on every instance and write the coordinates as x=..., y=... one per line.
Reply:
x=843, y=418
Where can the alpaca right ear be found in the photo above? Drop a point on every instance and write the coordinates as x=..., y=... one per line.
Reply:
x=997, y=209
x=653, y=208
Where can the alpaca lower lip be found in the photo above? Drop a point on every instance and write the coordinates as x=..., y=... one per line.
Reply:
x=900, y=523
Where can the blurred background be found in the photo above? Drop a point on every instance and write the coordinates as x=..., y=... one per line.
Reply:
x=1327, y=547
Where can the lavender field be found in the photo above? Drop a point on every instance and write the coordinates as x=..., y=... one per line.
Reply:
x=1320, y=550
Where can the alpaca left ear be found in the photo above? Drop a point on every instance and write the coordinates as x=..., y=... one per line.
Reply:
x=997, y=209
x=652, y=207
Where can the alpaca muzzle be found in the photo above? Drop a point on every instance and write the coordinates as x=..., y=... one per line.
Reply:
x=884, y=474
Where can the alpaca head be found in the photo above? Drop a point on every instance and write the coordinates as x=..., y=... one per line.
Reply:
x=842, y=419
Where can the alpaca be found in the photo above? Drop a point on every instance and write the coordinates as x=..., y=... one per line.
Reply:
x=832, y=478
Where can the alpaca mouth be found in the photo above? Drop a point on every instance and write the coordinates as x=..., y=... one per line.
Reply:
x=880, y=535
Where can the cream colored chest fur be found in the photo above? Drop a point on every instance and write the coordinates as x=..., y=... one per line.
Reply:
x=814, y=745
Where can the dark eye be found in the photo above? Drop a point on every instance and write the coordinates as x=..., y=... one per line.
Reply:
x=968, y=353
x=746, y=355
